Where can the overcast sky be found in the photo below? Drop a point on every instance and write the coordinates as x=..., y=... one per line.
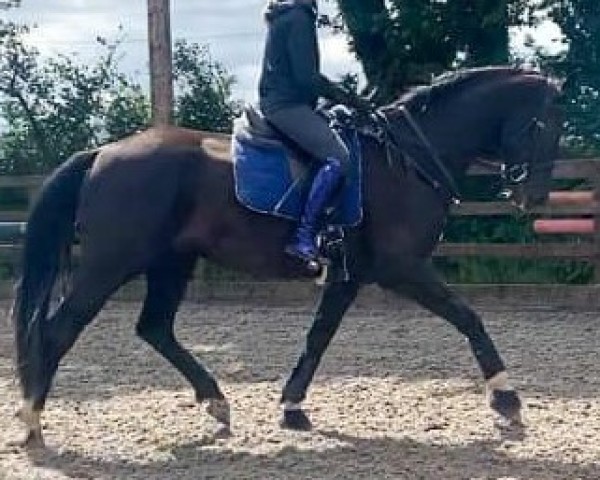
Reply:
x=233, y=29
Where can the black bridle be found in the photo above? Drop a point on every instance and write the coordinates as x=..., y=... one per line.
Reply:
x=511, y=174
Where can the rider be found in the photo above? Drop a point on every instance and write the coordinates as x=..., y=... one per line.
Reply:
x=289, y=87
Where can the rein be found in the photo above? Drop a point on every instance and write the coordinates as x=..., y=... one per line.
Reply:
x=448, y=182
x=432, y=152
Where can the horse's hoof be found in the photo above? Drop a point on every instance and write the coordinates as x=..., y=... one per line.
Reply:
x=296, y=420
x=34, y=440
x=222, y=432
x=507, y=404
x=219, y=409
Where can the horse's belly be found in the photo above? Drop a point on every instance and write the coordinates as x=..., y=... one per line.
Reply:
x=239, y=240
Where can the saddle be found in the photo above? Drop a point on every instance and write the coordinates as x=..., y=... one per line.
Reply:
x=272, y=178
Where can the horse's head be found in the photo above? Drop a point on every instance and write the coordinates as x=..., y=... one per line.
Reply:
x=529, y=144
x=502, y=114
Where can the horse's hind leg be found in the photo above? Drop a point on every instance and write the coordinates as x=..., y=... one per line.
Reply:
x=90, y=290
x=166, y=284
x=419, y=281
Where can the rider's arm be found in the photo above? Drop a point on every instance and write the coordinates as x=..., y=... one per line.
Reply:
x=304, y=56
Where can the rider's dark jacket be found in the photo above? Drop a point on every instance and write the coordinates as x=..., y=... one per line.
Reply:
x=291, y=66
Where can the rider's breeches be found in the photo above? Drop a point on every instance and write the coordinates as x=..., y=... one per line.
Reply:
x=311, y=133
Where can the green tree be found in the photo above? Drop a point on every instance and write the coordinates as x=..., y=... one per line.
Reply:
x=56, y=106
x=18, y=67
x=403, y=42
x=6, y=4
x=202, y=89
x=579, y=64
x=53, y=107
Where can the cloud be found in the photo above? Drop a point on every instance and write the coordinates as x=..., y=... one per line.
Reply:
x=336, y=57
x=233, y=29
x=547, y=35
x=71, y=27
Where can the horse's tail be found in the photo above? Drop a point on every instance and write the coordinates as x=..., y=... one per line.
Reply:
x=50, y=231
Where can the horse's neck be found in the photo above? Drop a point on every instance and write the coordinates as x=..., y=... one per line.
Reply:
x=460, y=137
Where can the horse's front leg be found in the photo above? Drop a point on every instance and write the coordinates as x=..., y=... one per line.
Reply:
x=335, y=301
x=418, y=280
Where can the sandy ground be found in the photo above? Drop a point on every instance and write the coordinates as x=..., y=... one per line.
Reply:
x=398, y=396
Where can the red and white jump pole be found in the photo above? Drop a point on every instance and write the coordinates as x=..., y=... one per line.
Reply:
x=571, y=198
x=582, y=226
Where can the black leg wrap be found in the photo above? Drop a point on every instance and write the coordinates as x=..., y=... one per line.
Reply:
x=485, y=353
x=297, y=384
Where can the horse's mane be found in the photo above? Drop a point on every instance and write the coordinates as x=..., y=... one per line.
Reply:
x=454, y=81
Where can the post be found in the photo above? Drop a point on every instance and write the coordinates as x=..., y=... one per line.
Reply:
x=161, y=72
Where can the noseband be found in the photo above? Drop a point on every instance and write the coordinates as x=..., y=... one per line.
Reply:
x=518, y=173
x=514, y=174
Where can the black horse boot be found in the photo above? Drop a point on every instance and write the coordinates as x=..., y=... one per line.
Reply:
x=325, y=184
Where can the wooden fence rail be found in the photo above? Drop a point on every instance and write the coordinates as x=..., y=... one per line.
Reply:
x=579, y=248
x=584, y=247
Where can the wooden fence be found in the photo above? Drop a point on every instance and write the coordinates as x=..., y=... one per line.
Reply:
x=583, y=248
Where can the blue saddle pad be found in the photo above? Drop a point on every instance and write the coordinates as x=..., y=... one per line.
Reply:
x=264, y=182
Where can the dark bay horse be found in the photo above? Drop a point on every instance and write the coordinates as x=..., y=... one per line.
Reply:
x=154, y=202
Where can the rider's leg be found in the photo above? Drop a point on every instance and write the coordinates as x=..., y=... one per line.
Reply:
x=324, y=187
x=312, y=134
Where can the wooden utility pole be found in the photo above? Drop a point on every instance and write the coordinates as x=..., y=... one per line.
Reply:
x=161, y=71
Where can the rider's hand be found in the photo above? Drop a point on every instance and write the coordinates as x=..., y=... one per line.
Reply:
x=361, y=105
x=337, y=93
